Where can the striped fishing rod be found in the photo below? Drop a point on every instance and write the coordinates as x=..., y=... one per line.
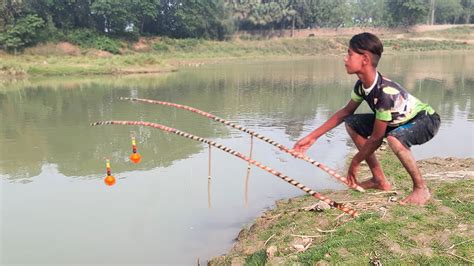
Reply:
x=287, y=179
x=252, y=133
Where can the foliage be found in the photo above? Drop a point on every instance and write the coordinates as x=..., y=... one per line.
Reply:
x=20, y=21
x=407, y=12
x=448, y=11
x=269, y=13
x=65, y=14
x=23, y=33
x=467, y=11
x=329, y=13
x=87, y=38
x=196, y=19
x=257, y=258
x=114, y=16
x=369, y=12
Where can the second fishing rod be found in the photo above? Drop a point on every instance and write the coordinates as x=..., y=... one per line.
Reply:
x=254, y=134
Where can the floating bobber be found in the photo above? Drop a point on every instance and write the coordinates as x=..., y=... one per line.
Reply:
x=109, y=180
x=135, y=157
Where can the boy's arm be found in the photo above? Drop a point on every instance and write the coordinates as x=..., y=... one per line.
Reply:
x=372, y=143
x=336, y=119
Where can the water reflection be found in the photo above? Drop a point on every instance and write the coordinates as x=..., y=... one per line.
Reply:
x=160, y=208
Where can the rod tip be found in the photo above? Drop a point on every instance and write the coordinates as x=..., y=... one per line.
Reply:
x=128, y=99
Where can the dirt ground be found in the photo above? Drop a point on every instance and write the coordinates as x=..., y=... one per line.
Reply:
x=447, y=169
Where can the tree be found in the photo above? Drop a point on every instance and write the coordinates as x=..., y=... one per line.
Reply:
x=302, y=17
x=407, y=12
x=65, y=14
x=431, y=13
x=146, y=11
x=369, y=12
x=328, y=13
x=195, y=19
x=468, y=9
x=10, y=10
x=114, y=16
x=24, y=32
x=448, y=11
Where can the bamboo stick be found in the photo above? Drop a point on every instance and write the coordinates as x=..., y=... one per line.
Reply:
x=246, y=130
x=287, y=179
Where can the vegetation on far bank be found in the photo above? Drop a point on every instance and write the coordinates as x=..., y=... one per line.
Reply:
x=100, y=24
x=151, y=55
x=385, y=233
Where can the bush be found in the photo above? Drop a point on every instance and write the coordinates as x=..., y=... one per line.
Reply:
x=107, y=44
x=161, y=47
x=49, y=33
x=88, y=38
x=185, y=45
x=82, y=37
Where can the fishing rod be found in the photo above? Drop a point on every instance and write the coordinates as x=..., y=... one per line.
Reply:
x=252, y=133
x=287, y=179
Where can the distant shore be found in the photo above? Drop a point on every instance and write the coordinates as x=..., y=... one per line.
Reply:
x=158, y=55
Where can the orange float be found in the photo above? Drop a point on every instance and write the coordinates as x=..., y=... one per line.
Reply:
x=135, y=157
x=109, y=180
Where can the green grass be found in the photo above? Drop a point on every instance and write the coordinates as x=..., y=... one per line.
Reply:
x=57, y=70
x=405, y=235
x=256, y=259
x=425, y=45
x=461, y=33
x=369, y=234
x=458, y=196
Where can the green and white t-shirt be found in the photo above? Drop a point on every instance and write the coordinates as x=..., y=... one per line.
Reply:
x=389, y=101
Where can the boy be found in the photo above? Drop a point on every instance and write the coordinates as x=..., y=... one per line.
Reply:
x=401, y=118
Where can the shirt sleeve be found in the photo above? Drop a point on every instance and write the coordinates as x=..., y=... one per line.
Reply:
x=355, y=96
x=385, y=103
x=384, y=115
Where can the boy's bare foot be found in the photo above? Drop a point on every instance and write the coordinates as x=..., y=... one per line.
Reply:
x=419, y=196
x=376, y=184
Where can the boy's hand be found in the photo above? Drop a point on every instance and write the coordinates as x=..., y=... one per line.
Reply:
x=303, y=144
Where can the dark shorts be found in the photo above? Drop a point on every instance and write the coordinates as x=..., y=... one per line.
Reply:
x=418, y=130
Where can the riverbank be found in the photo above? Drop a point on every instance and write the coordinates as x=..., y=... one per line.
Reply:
x=442, y=232
x=158, y=55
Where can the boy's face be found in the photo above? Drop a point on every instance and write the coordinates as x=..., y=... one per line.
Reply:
x=354, y=62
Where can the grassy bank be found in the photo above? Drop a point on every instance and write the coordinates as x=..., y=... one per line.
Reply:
x=386, y=232
x=165, y=55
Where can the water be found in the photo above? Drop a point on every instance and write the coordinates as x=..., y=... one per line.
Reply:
x=55, y=207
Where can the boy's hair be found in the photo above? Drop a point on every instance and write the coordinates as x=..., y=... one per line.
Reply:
x=367, y=42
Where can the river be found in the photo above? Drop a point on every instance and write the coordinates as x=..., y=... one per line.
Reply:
x=56, y=209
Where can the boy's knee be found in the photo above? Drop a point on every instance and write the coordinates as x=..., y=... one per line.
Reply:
x=349, y=119
x=395, y=144
x=359, y=124
x=349, y=123
x=348, y=127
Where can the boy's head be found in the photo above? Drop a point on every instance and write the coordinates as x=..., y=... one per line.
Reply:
x=367, y=42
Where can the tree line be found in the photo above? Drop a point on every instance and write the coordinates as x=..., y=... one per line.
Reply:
x=98, y=23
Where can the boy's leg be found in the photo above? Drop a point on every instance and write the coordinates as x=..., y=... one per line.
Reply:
x=420, y=194
x=419, y=130
x=378, y=181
